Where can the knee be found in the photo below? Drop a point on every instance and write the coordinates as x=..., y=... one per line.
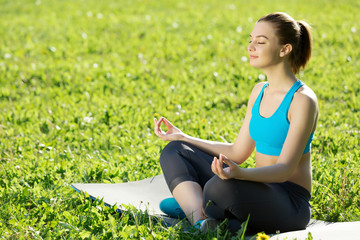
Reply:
x=217, y=190
x=171, y=149
x=213, y=187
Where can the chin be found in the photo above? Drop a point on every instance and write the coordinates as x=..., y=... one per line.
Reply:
x=254, y=65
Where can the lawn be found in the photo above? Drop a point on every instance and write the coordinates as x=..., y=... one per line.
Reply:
x=81, y=81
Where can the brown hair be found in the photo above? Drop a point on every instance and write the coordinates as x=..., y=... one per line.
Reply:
x=296, y=33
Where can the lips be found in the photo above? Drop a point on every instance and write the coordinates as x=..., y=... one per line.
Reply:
x=253, y=57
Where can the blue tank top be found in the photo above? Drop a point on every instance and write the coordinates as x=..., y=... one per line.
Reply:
x=270, y=133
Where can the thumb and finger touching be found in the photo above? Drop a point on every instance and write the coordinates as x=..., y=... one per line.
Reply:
x=224, y=159
x=218, y=169
x=157, y=129
x=170, y=133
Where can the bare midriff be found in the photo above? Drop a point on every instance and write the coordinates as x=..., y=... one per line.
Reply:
x=302, y=174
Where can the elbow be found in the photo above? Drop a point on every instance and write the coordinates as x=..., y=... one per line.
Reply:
x=284, y=174
x=239, y=155
x=233, y=154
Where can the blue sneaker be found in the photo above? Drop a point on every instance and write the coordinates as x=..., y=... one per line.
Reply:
x=170, y=207
x=198, y=224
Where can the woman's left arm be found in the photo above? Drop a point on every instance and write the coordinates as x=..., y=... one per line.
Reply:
x=303, y=114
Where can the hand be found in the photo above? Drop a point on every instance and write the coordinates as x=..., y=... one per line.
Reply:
x=233, y=171
x=172, y=133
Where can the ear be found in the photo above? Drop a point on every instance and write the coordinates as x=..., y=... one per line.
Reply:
x=286, y=50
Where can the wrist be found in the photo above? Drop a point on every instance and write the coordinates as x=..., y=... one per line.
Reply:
x=240, y=173
x=182, y=137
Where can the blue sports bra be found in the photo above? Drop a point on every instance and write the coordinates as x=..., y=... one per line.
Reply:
x=270, y=133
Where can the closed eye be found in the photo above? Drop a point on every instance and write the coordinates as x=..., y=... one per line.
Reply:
x=257, y=42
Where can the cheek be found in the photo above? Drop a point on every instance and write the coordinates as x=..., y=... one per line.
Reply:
x=270, y=53
x=276, y=55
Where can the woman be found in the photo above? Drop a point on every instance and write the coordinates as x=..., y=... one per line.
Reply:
x=279, y=123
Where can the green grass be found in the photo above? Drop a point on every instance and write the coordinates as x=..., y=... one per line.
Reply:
x=82, y=80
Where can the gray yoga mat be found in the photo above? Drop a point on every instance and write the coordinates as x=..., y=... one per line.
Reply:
x=147, y=194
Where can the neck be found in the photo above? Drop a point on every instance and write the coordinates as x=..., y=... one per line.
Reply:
x=280, y=77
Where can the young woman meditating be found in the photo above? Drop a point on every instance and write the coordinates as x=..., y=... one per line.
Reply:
x=205, y=177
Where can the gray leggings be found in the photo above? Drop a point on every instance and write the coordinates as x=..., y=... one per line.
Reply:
x=272, y=206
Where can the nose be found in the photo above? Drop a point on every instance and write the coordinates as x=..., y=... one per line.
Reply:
x=251, y=47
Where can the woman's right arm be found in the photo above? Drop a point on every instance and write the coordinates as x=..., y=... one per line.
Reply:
x=238, y=151
x=174, y=134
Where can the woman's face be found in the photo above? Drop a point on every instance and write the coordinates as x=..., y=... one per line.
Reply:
x=264, y=48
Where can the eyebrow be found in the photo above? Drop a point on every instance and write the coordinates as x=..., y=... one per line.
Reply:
x=260, y=36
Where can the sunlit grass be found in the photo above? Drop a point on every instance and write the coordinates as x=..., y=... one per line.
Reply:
x=81, y=81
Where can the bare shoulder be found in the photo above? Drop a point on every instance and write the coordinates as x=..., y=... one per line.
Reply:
x=259, y=86
x=306, y=94
x=306, y=91
x=256, y=90
x=254, y=94
x=305, y=99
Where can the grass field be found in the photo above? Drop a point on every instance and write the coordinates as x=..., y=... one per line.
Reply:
x=82, y=80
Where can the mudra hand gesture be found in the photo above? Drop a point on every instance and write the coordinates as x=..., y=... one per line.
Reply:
x=172, y=133
x=224, y=173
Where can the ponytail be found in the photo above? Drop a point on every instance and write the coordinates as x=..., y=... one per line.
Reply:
x=296, y=33
x=304, y=48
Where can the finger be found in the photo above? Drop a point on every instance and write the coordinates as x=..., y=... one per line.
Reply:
x=226, y=160
x=221, y=163
x=229, y=163
x=219, y=169
x=167, y=123
x=159, y=124
x=158, y=133
x=223, y=158
x=161, y=119
x=213, y=167
x=157, y=128
x=224, y=174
